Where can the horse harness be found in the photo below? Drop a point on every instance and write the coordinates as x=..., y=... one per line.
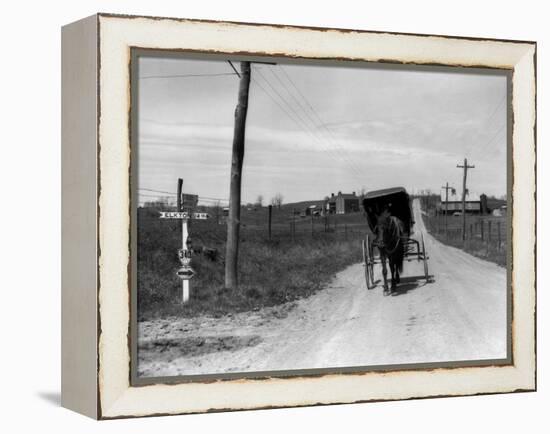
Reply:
x=380, y=244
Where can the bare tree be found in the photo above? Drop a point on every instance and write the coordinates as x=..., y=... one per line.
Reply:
x=277, y=200
x=164, y=202
x=260, y=200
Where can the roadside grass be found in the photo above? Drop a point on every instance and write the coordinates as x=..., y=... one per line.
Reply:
x=491, y=247
x=271, y=272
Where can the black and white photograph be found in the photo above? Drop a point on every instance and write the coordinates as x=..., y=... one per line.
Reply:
x=298, y=216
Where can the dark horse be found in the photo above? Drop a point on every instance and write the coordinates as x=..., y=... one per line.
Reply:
x=389, y=234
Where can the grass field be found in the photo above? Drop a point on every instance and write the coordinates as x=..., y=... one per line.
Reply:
x=290, y=265
x=486, y=235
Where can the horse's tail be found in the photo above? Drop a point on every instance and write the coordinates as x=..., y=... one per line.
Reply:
x=400, y=257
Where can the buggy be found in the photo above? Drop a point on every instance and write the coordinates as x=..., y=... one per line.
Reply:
x=397, y=202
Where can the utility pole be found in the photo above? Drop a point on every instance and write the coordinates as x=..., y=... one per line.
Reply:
x=447, y=188
x=233, y=222
x=465, y=167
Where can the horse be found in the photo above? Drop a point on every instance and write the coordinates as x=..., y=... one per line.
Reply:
x=389, y=232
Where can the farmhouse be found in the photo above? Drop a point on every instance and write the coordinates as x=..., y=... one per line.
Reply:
x=474, y=204
x=342, y=203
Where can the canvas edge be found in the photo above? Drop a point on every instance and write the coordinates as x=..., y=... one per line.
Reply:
x=79, y=113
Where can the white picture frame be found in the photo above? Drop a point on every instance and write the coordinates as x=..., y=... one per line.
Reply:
x=96, y=252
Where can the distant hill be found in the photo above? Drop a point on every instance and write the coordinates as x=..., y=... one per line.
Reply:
x=302, y=205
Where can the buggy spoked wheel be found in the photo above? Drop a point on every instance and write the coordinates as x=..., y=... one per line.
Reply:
x=368, y=262
x=425, y=258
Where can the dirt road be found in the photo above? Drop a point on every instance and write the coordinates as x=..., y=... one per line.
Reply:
x=460, y=315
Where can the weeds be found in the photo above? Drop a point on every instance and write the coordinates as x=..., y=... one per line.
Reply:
x=270, y=271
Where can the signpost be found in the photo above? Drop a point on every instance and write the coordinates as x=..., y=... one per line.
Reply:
x=185, y=272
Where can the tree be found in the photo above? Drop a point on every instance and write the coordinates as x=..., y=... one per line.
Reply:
x=217, y=209
x=277, y=200
x=260, y=200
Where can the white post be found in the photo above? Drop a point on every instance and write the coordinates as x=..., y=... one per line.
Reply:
x=185, y=282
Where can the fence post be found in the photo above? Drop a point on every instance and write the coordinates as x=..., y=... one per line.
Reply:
x=489, y=231
x=293, y=228
x=269, y=211
x=471, y=231
x=311, y=225
x=489, y=224
x=499, y=236
x=346, y=232
x=481, y=225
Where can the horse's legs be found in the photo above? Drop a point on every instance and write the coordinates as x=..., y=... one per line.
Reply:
x=393, y=270
x=384, y=272
x=397, y=278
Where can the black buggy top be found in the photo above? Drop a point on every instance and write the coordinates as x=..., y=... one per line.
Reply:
x=396, y=200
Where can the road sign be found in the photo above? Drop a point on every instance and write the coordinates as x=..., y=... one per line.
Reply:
x=185, y=272
x=174, y=215
x=184, y=256
x=184, y=215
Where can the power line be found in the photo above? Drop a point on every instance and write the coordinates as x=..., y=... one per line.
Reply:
x=234, y=69
x=486, y=148
x=488, y=122
x=174, y=194
x=304, y=125
x=221, y=74
x=158, y=191
x=296, y=119
x=319, y=123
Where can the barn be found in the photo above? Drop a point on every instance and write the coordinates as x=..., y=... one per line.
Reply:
x=474, y=203
x=342, y=203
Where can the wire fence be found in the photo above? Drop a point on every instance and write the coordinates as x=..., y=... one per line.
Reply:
x=486, y=236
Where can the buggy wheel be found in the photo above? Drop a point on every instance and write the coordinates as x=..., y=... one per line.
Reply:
x=368, y=259
x=425, y=258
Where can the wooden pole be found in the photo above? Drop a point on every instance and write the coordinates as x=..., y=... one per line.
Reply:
x=185, y=283
x=499, y=236
x=269, y=212
x=465, y=175
x=446, y=207
x=233, y=222
x=311, y=224
x=180, y=188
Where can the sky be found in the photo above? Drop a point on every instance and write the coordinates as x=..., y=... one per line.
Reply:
x=313, y=130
